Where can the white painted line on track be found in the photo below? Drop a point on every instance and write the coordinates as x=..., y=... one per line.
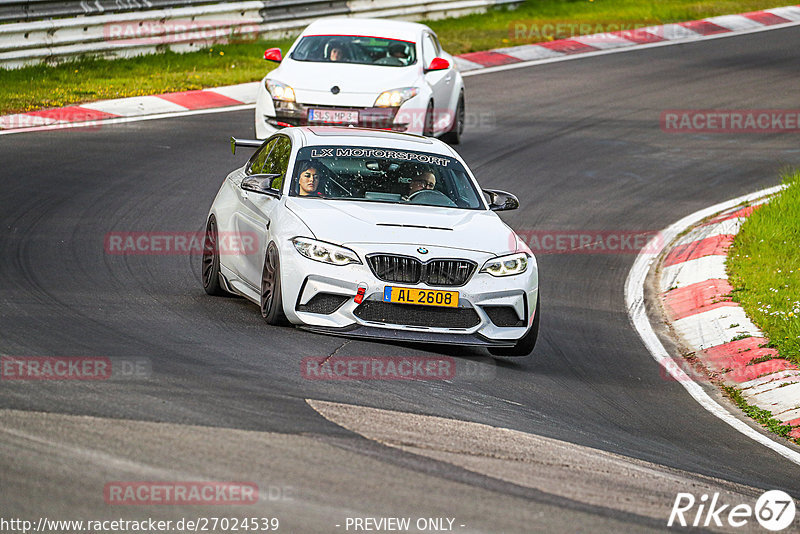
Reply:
x=634, y=301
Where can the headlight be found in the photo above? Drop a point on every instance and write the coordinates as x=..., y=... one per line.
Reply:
x=324, y=252
x=506, y=265
x=395, y=97
x=280, y=91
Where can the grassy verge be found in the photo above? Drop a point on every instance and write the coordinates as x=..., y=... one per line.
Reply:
x=42, y=87
x=764, y=268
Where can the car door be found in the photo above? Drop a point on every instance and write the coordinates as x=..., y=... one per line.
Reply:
x=254, y=217
x=440, y=81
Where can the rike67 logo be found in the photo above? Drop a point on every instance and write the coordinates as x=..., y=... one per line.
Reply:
x=774, y=510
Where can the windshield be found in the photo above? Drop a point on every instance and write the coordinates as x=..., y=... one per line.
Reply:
x=383, y=175
x=355, y=49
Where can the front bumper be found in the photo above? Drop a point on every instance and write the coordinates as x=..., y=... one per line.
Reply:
x=492, y=311
x=382, y=334
x=296, y=114
x=272, y=115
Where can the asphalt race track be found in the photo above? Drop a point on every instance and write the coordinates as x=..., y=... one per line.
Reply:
x=578, y=141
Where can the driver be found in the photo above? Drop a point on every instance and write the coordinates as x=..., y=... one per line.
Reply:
x=336, y=51
x=424, y=180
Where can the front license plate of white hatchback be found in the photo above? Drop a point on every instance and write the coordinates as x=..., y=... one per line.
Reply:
x=335, y=116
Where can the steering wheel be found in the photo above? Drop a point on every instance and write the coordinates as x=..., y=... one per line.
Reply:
x=431, y=197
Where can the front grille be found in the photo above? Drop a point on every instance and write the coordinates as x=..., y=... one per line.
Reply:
x=408, y=270
x=503, y=316
x=323, y=303
x=412, y=315
x=448, y=272
x=391, y=268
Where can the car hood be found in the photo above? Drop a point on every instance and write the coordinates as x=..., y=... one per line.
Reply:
x=307, y=76
x=351, y=222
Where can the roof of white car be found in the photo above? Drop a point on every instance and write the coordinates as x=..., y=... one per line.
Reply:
x=389, y=29
x=338, y=135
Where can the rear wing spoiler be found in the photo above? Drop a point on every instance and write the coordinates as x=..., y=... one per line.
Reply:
x=250, y=143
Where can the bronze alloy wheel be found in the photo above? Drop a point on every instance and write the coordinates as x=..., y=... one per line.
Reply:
x=210, y=261
x=271, y=306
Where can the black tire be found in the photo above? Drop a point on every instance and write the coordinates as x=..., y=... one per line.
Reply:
x=271, y=303
x=453, y=137
x=210, y=262
x=427, y=128
x=526, y=343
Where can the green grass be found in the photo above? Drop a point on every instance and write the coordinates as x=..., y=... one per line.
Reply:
x=42, y=87
x=764, y=268
x=763, y=417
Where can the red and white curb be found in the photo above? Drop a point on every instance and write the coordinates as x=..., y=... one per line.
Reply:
x=667, y=33
x=230, y=97
x=637, y=312
x=243, y=96
x=695, y=294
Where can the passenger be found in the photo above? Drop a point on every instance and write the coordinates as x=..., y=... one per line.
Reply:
x=308, y=179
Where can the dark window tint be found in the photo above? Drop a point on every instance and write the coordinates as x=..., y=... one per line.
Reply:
x=259, y=159
x=278, y=160
x=355, y=49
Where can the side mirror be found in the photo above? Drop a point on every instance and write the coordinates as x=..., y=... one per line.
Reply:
x=273, y=54
x=500, y=200
x=261, y=183
x=438, y=63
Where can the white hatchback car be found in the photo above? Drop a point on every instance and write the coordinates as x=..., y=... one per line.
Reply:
x=372, y=73
x=376, y=234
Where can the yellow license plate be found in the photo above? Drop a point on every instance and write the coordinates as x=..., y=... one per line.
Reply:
x=425, y=297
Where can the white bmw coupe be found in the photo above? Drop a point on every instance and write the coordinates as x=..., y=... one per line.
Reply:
x=374, y=234
x=372, y=73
